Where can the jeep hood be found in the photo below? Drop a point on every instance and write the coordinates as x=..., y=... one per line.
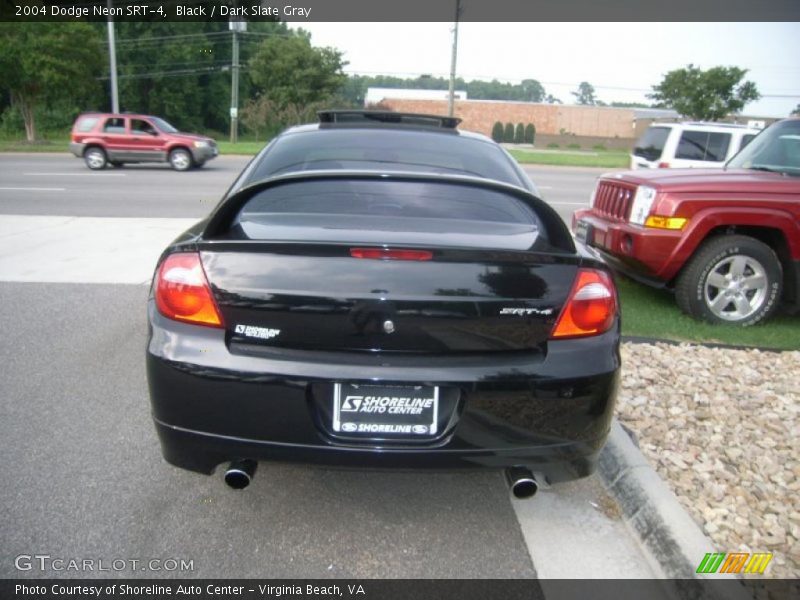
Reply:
x=710, y=180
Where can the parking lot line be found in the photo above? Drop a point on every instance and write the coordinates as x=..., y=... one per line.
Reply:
x=89, y=174
x=32, y=189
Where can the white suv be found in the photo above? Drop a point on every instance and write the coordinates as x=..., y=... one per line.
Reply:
x=688, y=145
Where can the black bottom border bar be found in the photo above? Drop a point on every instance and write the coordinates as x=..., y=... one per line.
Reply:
x=402, y=589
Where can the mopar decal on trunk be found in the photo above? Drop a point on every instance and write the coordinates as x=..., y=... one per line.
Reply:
x=262, y=333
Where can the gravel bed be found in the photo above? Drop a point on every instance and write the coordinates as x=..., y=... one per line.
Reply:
x=722, y=427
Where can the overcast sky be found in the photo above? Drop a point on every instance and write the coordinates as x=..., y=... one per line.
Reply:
x=621, y=60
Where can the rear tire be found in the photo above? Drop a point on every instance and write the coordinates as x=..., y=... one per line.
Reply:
x=95, y=158
x=733, y=279
x=181, y=159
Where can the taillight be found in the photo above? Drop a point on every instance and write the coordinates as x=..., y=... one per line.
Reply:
x=590, y=308
x=390, y=254
x=663, y=165
x=182, y=291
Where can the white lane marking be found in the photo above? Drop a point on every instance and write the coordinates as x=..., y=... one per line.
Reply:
x=33, y=189
x=83, y=249
x=77, y=174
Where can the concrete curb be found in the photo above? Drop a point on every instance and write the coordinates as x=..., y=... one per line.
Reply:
x=654, y=513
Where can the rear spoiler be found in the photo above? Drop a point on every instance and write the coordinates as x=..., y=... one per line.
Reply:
x=219, y=221
x=386, y=116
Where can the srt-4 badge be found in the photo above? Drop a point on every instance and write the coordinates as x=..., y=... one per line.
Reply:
x=526, y=311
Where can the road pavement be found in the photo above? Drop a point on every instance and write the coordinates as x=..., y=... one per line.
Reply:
x=83, y=474
x=61, y=185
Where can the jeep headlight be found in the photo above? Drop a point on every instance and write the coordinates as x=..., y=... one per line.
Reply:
x=201, y=144
x=642, y=203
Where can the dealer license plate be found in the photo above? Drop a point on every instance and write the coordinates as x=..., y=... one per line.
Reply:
x=380, y=411
x=582, y=229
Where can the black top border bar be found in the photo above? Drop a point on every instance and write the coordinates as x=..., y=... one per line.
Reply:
x=299, y=11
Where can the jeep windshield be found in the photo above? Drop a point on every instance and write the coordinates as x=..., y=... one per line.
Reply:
x=776, y=149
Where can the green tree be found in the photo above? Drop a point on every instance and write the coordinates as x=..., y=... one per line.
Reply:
x=46, y=64
x=550, y=99
x=508, y=133
x=519, y=134
x=532, y=90
x=181, y=70
x=705, y=95
x=585, y=94
x=288, y=70
x=530, y=133
x=497, y=132
x=796, y=111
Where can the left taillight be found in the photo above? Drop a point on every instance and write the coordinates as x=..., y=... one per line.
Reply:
x=590, y=308
x=182, y=291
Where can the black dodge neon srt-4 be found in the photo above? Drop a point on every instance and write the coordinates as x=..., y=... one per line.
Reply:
x=383, y=290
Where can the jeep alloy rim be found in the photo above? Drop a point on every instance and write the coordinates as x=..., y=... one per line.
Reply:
x=736, y=287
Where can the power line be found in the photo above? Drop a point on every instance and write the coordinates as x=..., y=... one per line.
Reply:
x=174, y=73
x=468, y=78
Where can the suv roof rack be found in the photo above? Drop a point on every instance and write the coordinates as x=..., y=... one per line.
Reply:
x=386, y=116
x=716, y=124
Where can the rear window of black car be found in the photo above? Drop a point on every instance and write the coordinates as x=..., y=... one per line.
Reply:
x=376, y=211
x=385, y=149
x=651, y=144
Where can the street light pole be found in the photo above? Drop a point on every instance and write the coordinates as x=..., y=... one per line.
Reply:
x=235, y=27
x=112, y=54
x=451, y=95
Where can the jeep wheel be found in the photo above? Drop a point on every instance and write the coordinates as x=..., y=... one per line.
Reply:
x=731, y=279
x=180, y=159
x=95, y=158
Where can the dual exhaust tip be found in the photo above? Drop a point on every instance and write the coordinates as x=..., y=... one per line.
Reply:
x=240, y=473
x=521, y=481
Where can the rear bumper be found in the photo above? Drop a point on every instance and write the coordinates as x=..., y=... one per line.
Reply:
x=77, y=148
x=645, y=254
x=549, y=412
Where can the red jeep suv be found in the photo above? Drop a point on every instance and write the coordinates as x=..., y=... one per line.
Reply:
x=103, y=138
x=727, y=241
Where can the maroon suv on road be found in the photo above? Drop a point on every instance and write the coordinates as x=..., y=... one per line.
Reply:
x=105, y=138
x=727, y=241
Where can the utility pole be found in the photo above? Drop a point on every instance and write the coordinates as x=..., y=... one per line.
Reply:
x=450, y=98
x=112, y=54
x=235, y=27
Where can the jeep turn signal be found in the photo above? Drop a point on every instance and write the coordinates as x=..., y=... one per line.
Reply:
x=182, y=291
x=590, y=308
x=665, y=222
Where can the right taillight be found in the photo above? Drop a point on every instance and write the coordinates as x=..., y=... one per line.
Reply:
x=182, y=291
x=590, y=308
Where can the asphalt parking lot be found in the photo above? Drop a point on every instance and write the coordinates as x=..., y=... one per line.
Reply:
x=83, y=471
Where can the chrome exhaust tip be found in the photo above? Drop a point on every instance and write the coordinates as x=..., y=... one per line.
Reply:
x=522, y=482
x=240, y=473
